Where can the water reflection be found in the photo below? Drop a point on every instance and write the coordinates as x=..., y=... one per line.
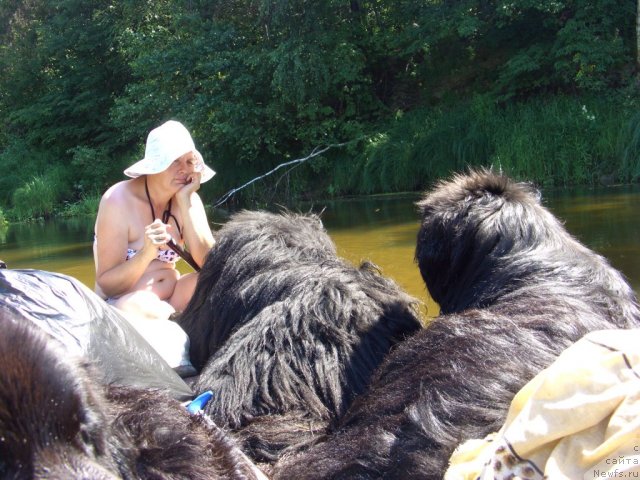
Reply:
x=607, y=220
x=379, y=229
x=62, y=246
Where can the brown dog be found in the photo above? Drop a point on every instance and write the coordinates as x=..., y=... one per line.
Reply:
x=57, y=423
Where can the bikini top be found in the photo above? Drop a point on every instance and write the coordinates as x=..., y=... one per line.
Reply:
x=166, y=256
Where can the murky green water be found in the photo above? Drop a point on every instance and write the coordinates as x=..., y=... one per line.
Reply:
x=380, y=229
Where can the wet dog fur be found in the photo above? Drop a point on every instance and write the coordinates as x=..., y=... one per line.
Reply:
x=515, y=290
x=286, y=333
x=56, y=422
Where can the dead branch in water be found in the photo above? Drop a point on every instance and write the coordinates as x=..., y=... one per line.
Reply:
x=315, y=152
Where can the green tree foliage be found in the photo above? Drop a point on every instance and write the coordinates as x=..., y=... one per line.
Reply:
x=260, y=82
x=60, y=75
x=255, y=83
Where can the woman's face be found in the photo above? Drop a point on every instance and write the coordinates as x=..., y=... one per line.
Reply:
x=183, y=168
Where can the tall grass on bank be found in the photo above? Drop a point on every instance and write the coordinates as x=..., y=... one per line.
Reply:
x=37, y=198
x=563, y=141
x=551, y=141
x=87, y=205
x=418, y=146
x=629, y=148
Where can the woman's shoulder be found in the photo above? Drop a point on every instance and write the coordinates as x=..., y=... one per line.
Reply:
x=119, y=194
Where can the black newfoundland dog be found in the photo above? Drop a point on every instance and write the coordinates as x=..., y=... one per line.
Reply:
x=515, y=290
x=285, y=332
x=57, y=422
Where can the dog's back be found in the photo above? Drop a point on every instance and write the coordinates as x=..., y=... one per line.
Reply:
x=293, y=332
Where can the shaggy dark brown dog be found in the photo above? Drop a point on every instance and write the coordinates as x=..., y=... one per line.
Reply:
x=287, y=332
x=57, y=423
x=515, y=290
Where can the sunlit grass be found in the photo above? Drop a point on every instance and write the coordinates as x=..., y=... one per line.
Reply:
x=35, y=199
x=86, y=206
x=553, y=141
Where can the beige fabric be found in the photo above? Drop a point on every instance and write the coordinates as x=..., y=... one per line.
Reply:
x=578, y=419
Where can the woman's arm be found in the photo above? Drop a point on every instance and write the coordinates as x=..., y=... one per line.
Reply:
x=196, y=231
x=114, y=275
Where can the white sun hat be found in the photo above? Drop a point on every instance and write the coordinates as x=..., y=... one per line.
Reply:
x=165, y=144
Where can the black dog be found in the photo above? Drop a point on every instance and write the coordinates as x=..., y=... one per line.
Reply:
x=289, y=332
x=515, y=290
x=56, y=422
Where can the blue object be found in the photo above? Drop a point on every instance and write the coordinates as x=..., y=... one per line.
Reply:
x=198, y=403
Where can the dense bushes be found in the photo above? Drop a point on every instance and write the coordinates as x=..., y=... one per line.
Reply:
x=425, y=87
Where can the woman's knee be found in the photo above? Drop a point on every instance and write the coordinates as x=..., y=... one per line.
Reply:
x=183, y=291
x=144, y=304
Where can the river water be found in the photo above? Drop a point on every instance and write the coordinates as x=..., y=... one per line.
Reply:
x=381, y=229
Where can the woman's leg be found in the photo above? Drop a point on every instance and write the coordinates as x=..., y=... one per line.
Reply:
x=143, y=304
x=183, y=291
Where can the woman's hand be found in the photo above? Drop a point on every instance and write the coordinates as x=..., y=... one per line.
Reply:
x=156, y=235
x=192, y=185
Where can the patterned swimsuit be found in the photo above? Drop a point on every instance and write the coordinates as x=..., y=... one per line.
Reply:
x=166, y=256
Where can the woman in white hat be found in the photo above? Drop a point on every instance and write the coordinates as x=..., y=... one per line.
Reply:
x=140, y=222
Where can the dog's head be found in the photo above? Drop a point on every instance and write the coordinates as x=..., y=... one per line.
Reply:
x=250, y=244
x=470, y=223
x=484, y=236
x=298, y=235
